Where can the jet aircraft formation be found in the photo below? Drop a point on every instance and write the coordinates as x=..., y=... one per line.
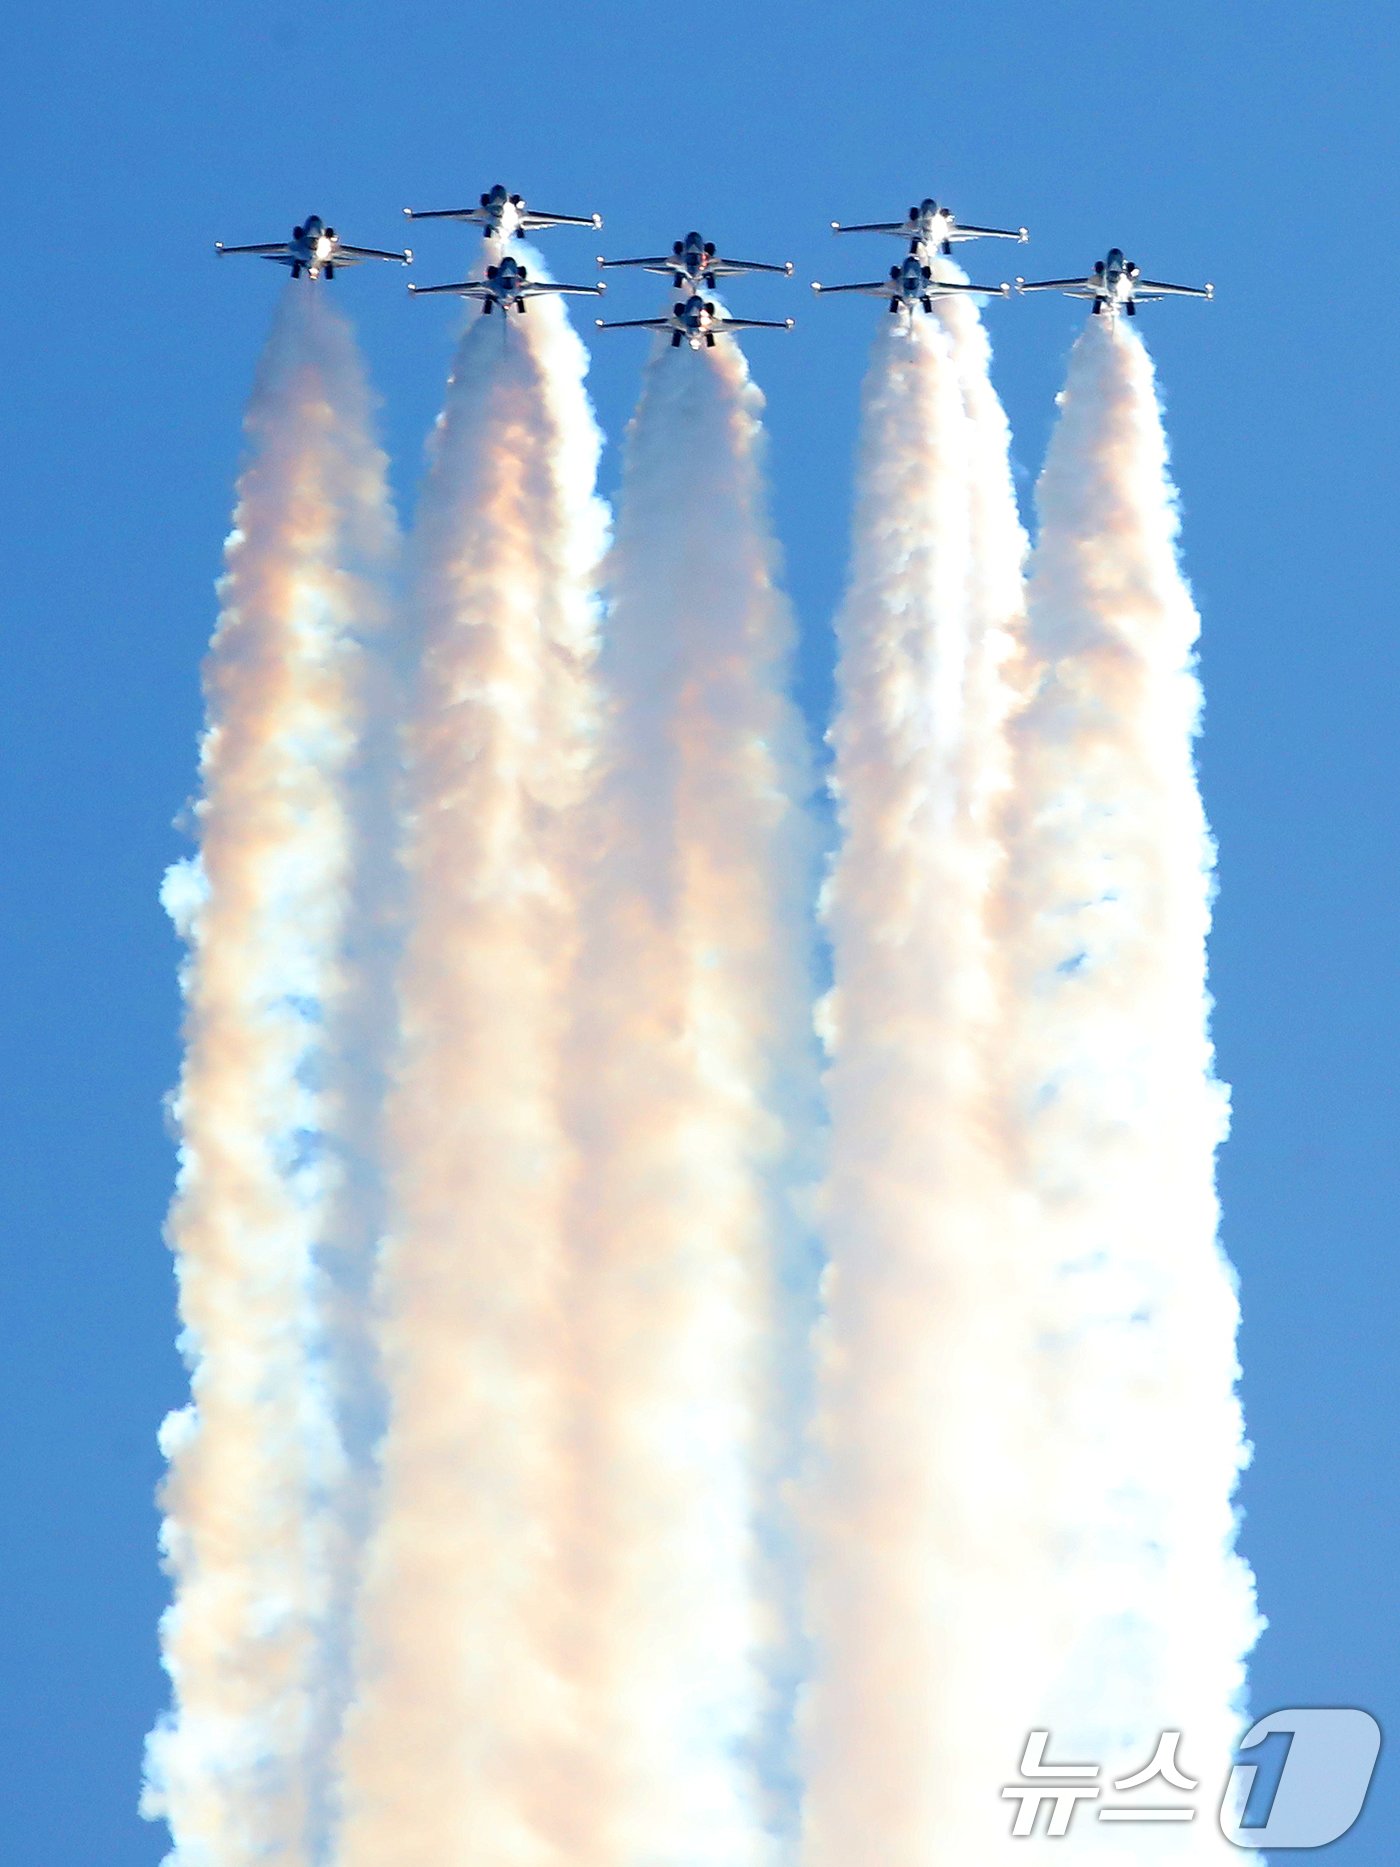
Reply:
x=694, y=265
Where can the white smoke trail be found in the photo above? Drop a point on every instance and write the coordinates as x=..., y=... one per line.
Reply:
x=996, y=594
x=459, y=1733
x=923, y=1643
x=693, y=1085
x=1116, y=1117
x=250, y=1535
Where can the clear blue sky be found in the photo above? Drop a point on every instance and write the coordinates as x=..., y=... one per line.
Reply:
x=1250, y=143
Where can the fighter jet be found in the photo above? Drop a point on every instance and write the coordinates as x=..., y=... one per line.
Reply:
x=508, y=285
x=912, y=284
x=696, y=321
x=932, y=227
x=314, y=249
x=693, y=262
x=1115, y=285
x=504, y=215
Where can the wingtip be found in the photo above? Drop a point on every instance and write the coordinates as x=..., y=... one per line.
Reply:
x=219, y=247
x=1020, y=285
x=836, y=226
x=1210, y=290
x=408, y=213
x=599, y=323
x=597, y=220
x=1023, y=234
x=787, y=267
x=816, y=286
x=790, y=322
x=408, y=256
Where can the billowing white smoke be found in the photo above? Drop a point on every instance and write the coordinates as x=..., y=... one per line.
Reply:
x=1115, y=1117
x=572, y=1634
x=692, y=1083
x=923, y=1645
x=253, y=1534
x=997, y=544
x=460, y=1732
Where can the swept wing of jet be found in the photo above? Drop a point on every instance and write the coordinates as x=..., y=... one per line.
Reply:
x=912, y=285
x=504, y=215
x=931, y=226
x=508, y=285
x=1116, y=284
x=315, y=249
x=694, y=262
x=696, y=321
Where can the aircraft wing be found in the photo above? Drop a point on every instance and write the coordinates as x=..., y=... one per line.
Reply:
x=756, y=324
x=877, y=288
x=1080, y=286
x=531, y=219
x=535, y=289
x=464, y=288
x=274, y=249
x=723, y=266
x=872, y=226
x=634, y=324
x=962, y=231
x=342, y=253
x=938, y=287
x=668, y=261
x=477, y=214
x=1175, y=291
